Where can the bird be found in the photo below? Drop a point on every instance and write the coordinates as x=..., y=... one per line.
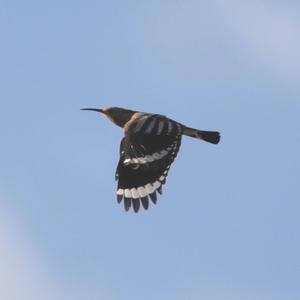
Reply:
x=147, y=150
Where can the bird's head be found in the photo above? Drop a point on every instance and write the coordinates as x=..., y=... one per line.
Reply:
x=117, y=115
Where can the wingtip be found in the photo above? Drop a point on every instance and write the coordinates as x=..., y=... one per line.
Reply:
x=136, y=205
x=153, y=197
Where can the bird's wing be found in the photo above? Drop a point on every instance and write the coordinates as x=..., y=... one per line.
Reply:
x=149, y=147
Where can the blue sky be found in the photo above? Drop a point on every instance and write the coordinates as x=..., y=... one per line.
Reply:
x=227, y=225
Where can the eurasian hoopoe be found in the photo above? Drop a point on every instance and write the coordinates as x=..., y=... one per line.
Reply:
x=147, y=150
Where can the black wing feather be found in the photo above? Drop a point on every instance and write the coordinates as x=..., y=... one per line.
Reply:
x=142, y=143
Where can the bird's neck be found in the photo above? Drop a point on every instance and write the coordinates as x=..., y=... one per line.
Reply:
x=123, y=118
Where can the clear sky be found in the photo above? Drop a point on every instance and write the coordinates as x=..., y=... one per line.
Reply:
x=227, y=225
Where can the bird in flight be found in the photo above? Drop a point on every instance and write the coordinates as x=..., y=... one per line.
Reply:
x=149, y=146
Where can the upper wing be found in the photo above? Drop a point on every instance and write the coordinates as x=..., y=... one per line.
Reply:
x=149, y=147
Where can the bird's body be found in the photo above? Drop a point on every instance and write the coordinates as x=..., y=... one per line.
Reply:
x=149, y=146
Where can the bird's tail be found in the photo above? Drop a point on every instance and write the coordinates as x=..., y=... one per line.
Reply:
x=208, y=136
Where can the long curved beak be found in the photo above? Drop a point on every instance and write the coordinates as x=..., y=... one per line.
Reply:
x=94, y=109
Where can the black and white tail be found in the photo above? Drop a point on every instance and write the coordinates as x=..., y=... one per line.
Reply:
x=208, y=136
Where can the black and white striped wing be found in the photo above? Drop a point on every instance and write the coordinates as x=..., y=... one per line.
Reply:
x=149, y=147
